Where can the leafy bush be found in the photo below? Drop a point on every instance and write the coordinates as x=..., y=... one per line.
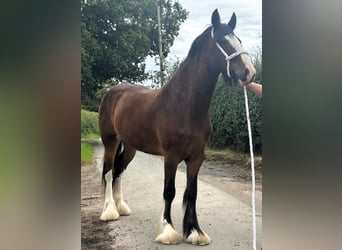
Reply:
x=87, y=152
x=229, y=119
x=89, y=123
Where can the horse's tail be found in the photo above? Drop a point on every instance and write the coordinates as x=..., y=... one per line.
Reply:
x=118, y=162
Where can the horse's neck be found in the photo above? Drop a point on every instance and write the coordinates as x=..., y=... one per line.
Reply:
x=192, y=87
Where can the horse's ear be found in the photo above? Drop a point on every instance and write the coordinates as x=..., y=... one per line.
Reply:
x=215, y=19
x=232, y=22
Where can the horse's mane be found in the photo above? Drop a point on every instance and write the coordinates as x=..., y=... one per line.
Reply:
x=195, y=50
x=197, y=44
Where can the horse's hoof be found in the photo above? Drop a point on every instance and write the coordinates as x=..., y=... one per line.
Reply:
x=198, y=238
x=168, y=236
x=123, y=208
x=110, y=213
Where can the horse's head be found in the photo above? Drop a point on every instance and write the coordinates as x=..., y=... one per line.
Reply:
x=232, y=60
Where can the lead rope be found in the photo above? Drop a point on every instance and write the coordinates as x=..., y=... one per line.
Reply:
x=252, y=167
x=228, y=58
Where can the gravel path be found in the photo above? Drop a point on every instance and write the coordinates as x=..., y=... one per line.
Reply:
x=223, y=206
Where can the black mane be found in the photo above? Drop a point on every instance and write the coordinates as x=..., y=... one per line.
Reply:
x=197, y=44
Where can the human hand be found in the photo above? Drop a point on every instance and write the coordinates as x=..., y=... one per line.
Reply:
x=243, y=84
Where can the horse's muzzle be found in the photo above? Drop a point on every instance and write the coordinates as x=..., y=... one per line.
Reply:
x=247, y=76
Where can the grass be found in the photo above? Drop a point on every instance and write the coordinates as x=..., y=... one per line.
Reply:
x=239, y=162
x=91, y=136
x=87, y=152
x=89, y=130
x=227, y=156
x=224, y=156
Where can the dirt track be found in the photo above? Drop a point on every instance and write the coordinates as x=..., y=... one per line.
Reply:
x=223, y=206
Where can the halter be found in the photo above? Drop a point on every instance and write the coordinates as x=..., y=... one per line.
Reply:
x=228, y=58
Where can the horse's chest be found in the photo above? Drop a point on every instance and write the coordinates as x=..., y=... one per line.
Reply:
x=192, y=135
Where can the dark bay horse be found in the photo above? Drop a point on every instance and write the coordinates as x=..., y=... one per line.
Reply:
x=172, y=121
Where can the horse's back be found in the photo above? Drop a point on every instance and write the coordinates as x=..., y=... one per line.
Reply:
x=115, y=94
x=127, y=110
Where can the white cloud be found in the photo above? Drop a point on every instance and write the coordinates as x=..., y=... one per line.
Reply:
x=248, y=27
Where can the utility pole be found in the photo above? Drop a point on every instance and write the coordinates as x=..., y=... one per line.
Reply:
x=160, y=45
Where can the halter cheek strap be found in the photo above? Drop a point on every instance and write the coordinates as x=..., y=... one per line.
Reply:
x=228, y=58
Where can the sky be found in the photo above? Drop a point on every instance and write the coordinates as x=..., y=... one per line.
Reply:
x=248, y=24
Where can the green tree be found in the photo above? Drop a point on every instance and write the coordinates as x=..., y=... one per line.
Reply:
x=170, y=67
x=172, y=16
x=116, y=38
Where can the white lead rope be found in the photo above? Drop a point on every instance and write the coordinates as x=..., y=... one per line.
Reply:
x=252, y=168
x=228, y=58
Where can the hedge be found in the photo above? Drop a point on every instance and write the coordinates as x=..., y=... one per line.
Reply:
x=89, y=123
x=229, y=119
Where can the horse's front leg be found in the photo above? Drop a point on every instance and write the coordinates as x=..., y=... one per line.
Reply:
x=166, y=233
x=191, y=230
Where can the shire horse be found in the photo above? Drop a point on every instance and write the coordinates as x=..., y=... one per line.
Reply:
x=172, y=121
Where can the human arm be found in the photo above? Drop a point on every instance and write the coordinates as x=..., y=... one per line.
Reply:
x=256, y=88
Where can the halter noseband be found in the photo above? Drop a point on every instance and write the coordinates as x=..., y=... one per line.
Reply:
x=228, y=58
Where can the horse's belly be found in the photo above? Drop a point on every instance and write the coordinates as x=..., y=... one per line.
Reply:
x=140, y=137
x=145, y=145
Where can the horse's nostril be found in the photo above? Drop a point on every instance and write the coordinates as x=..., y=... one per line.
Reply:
x=246, y=72
x=243, y=75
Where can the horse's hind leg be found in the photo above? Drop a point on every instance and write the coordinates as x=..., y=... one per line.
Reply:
x=123, y=157
x=110, y=211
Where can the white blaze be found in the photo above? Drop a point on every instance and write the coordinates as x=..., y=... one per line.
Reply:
x=236, y=44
